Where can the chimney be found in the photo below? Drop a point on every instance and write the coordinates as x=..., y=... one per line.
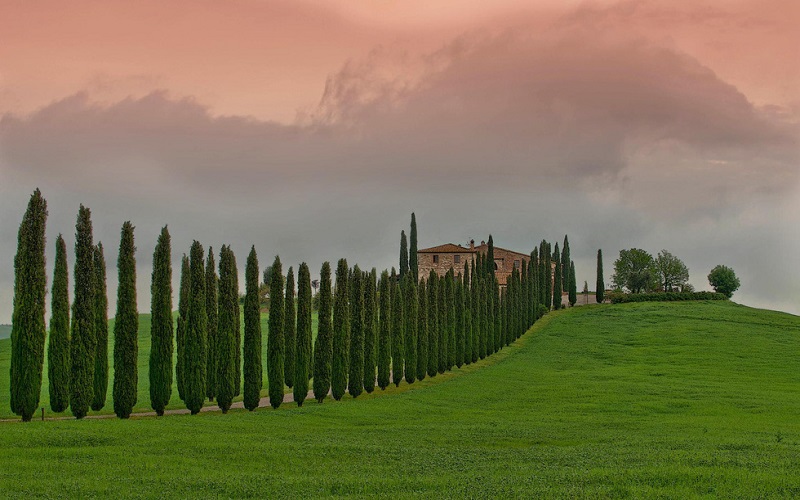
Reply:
x=483, y=242
x=472, y=244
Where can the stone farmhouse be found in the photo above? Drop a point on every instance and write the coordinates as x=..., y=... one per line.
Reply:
x=441, y=258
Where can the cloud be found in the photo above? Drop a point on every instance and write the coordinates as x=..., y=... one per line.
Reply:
x=620, y=140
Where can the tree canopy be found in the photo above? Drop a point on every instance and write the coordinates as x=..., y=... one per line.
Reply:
x=672, y=272
x=724, y=280
x=635, y=271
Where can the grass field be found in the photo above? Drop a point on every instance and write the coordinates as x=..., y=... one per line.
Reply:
x=143, y=398
x=5, y=331
x=653, y=399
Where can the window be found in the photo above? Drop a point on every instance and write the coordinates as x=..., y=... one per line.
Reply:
x=495, y=266
x=457, y=259
x=435, y=259
x=516, y=264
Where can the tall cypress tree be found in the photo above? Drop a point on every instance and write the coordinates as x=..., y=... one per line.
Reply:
x=275, y=345
x=422, y=330
x=484, y=305
x=356, y=364
x=467, y=316
x=253, y=375
x=384, y=332
x=126, y=327
x=227, y=303
x=443, y=323
x=573, y=287
x=523, y=298
x=490, y=257
x=289, y=330
x=237, y=311
x=542, y=273
x=180, y=332
x=433, y=324
x=212, y=314
x=83, y=343
x=27, y=325
x=58, y=346
x=410, y=317
x=403, y=255
x=451, y=320
x=459, y=331
x=565, y=260
x=194, y=362
x=323, y=347
x=370, y=331
x=600, y=291
x=302, y=364
x=550, y=276
x=557, y=280
x=341, y=331
x=161, y=332
x=100, y=383
x=398, y=341
x=475, y=309
x=413, y=263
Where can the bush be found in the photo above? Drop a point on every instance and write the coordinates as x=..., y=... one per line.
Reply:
x=622, y=298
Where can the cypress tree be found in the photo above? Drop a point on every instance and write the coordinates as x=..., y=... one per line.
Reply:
x=212, y=315
x=565, y=260
x=323, y=347
x=475, y=309
x=398, y=341
x=557, y=280
x=180, y=330
x=422, y=330
x=451, y=320
x=433, y=323
x=403, y=255
x=289, y=330
x=490, y=257
x=542, y=274
x=410, y=315
x=412, y=253
x=370, y=331
x=356, y=362
x=83, y=342
x=484, y=305
x=523, y=298
x=161, y=332
x=237, y=326
x=126, y=327
x=459, y=332
x=573, y=287
x=253, y=375
x=227, y=303
x=58, y=346
x=600, y=291
x=550, y=277
x=341, y=331
x=100, y=384
x=498, y=333
x=384, y=332
x=275, y=344
x=491, y=336
x=194, y=362
x=444, y=316
x=467, y=290
x=28, y=331
x=302, y=364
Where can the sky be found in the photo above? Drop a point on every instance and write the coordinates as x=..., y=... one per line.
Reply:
x=312, y=130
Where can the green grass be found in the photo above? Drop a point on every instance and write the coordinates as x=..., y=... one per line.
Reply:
x=143, y=397
x=645, y=400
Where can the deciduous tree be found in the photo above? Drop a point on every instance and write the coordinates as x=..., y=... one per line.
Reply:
x=634, y=271
x=671, y=271
x=724, y=280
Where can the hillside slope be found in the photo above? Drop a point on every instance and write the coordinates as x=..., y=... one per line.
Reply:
x=679, y=399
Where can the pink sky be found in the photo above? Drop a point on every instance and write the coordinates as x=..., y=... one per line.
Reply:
x=269, y=58
x=657, y=124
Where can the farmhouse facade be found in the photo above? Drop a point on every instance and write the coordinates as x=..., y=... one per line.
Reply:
x=442, y=257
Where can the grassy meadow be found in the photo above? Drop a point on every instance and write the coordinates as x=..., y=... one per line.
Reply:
x=143, y=398
x=647, y=400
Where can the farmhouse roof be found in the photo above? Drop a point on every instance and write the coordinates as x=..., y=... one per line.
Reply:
x=447, y=248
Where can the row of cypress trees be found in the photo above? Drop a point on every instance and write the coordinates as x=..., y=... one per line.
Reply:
x=370, y=330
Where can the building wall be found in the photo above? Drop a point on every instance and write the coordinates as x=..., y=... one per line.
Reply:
x=446, y=261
